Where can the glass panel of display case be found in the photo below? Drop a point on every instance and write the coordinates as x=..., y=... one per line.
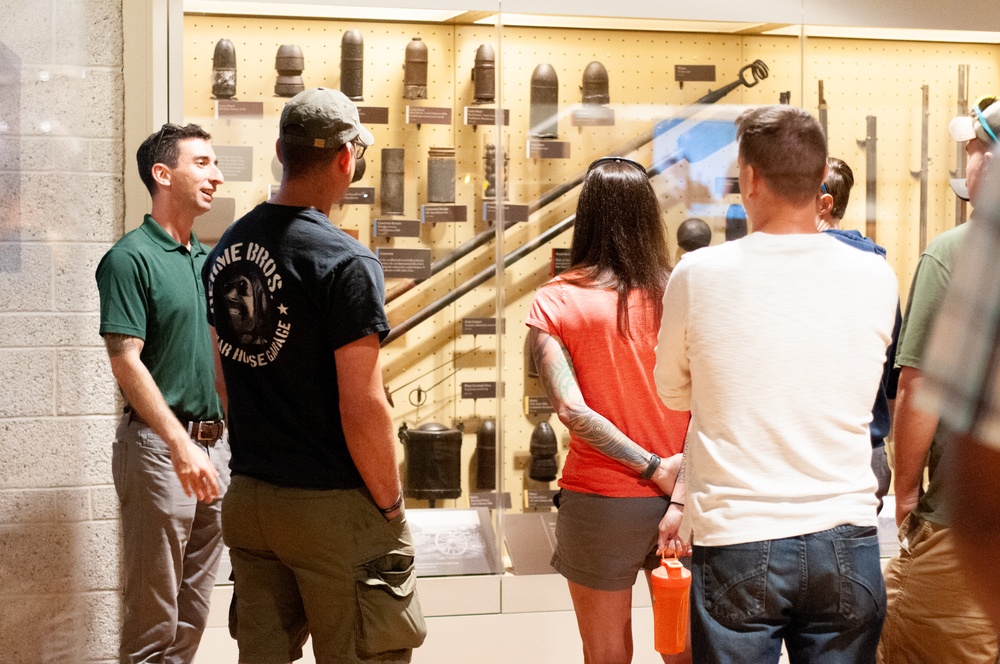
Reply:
x=665, y=93
x=485, y=124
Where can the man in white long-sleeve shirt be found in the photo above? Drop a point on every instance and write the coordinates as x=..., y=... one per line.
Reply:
x=776, y=343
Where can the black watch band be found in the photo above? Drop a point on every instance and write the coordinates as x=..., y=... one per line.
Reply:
x=654, y=463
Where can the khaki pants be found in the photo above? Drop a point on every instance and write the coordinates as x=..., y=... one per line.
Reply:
x=931, y=616
x=172, y=547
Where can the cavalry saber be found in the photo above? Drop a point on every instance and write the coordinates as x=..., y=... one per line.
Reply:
x=924, y=161
x=963, y=109
x=870, y=144
x=822, y=114
x=749, y=76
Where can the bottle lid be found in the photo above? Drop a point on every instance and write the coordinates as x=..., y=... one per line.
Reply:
x=674, y=568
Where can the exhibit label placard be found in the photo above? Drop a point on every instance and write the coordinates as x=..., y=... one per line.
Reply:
x=437, y=213
x=511, y=213
x=478, y=115
x=230, y=108
x=428, y=115
x=359, y=196
x=405, y=263
x=396, y=228
x=538, y=149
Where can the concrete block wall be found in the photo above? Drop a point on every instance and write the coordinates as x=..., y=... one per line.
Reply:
x=61, y=207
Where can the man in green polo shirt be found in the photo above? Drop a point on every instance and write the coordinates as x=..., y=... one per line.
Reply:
x=170, y=457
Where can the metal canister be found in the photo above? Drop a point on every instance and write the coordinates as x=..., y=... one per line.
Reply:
x=289, y=62
x=433, y=461
x=595, y=85
x=490, y=163
x=224, y=70
x=393, y=162
x=484, y=75
x=415, y=70
x=544, y=109
x=543, y=449
x=441, y=175
x=352, y=65
x=486, y=456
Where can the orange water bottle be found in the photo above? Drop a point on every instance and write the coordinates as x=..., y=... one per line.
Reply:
x=671, y=598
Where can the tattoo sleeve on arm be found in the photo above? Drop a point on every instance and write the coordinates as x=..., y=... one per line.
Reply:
x=556, y=372
x=119, y=344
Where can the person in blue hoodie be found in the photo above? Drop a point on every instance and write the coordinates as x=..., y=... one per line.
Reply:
x=834, y=195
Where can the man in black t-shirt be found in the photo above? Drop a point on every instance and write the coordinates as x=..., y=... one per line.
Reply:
x=314, y=516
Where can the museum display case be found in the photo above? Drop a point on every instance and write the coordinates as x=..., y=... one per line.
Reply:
x=485, y=121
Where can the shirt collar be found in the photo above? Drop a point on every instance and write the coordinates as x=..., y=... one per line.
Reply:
x=160, y=236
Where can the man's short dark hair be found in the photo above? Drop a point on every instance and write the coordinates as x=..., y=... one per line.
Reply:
x=839, y=180
x=786, y=147
x=160, y=147
x=300, y=160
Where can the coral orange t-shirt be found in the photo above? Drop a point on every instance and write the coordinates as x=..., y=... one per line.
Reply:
x=615, y=375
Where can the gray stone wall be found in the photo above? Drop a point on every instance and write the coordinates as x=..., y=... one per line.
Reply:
x=61, y=207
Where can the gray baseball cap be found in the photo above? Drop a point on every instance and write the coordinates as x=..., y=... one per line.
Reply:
x=322, y=118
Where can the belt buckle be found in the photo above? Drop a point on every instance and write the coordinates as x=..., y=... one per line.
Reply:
x=206, y=432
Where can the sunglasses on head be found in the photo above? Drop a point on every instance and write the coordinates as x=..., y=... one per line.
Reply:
x=165, y=130
x=620, y=160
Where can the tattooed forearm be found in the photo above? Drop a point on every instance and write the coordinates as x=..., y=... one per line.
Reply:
x=119, y=344
x=606, y=438
x=555, y=369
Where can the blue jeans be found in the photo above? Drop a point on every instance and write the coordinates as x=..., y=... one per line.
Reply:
x=822, y=594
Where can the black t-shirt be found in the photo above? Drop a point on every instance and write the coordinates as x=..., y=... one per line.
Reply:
x=285, y=289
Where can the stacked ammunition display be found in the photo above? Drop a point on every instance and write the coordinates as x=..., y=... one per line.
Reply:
x=289, y=62
x=415, y=70
x=544, y=106
x=352, y=65
x=441, y=175
x=224, y=70
x=393, y=162
x=595, y=85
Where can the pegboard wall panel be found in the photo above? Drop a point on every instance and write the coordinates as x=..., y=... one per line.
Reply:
x=884, y=79
x=426, y=367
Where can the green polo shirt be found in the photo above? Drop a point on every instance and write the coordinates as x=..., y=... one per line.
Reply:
x=151, y=289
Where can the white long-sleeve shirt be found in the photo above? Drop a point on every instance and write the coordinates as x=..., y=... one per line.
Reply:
x=776, y=344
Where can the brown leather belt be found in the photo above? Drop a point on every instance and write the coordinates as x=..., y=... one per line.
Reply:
x=206, y=432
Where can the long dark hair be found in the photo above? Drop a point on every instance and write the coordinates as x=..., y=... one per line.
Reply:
x=619, y=239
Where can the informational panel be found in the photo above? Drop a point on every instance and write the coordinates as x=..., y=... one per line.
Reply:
x=453, y=542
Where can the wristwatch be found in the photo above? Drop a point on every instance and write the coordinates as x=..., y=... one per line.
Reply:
x=654, y=463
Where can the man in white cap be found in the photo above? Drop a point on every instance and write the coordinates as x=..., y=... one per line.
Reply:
x=932, y=616
x=314, y=516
